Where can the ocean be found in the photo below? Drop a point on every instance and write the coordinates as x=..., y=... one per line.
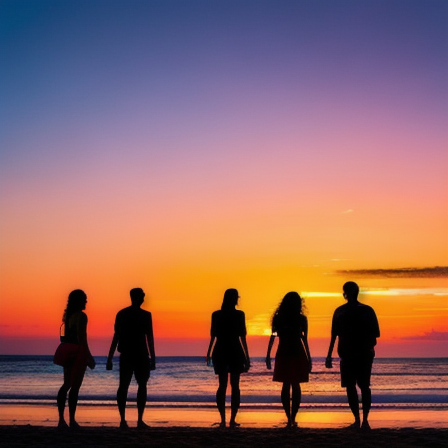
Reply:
x=186, y=382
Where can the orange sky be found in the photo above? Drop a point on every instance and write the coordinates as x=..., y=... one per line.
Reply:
x=411, y=311
x=230, y=145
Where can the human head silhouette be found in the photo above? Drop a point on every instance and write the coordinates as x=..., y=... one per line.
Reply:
x=137, y=296
x=351, y=291
x=292, y=303
x=77, y=300
x=230, y=299
x=288, y=310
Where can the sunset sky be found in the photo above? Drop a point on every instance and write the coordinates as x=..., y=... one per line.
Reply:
x=188, y=146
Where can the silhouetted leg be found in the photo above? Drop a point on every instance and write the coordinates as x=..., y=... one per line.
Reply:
x=74, y=376
x=353, y=402
x=366, y=395
x=236, y=396
x=142, y=395
x=77, y=375
x=62, y=398
x=62, y=395
x=286, y=401
x=221, y=396
x=122, y=392
x=296, y=399
x=73, y=403
x=142, y=377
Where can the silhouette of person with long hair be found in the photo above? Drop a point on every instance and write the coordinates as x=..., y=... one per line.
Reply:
x=356, y=326
x=229, y=354
x=135, y=340
x=293, y=360
x=75, y=329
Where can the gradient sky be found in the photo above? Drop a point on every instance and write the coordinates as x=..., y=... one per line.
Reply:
x=191, y=146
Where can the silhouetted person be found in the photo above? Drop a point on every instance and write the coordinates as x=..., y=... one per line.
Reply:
x=75, y=340
x=135, y=340
x=293, y=360
x=357, y=328
x=230, y=354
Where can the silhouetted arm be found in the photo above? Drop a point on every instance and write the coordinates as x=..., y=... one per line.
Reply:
x=82, y=338
x=246, y=352
x=113, y=346
x=242, y=334
x=208, y=358
x=376, y=326
x=305, y=343
x=268, y=354
x=328, y=360
x=150, y=339
x=112, y=349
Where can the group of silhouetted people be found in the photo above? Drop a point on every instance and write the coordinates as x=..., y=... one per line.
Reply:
x=354, y=324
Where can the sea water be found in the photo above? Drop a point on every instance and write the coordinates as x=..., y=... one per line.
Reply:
x=186, y=382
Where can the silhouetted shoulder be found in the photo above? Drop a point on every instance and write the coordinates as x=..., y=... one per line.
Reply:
x=354, y=311
x=131, y=310
x=340, y=310
x=146, y=314
x=371, y=321
x=228, y=323
x=124, y=311
x=78, y=319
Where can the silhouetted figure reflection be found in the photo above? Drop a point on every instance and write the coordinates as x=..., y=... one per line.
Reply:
x=75, y=340
x=229, y=354
x=293, y=360
x=356, y=326
x=135, y=340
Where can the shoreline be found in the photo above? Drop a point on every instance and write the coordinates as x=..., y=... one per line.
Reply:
x=162, y=417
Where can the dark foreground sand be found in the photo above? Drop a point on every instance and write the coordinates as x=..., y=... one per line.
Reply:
x=178, y=437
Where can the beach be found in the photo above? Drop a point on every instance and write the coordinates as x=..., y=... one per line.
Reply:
x=175, y=437
x=36, y=426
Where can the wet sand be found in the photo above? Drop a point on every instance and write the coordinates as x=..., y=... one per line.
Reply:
x=162, y=417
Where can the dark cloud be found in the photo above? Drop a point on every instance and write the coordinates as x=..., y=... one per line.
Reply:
x=430, y=336
x=436, y=271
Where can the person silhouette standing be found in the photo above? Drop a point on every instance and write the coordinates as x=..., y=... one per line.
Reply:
x=293, y=360
x=229, y=354
x=75, y=339
x=357, y=329
x=135, y=340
